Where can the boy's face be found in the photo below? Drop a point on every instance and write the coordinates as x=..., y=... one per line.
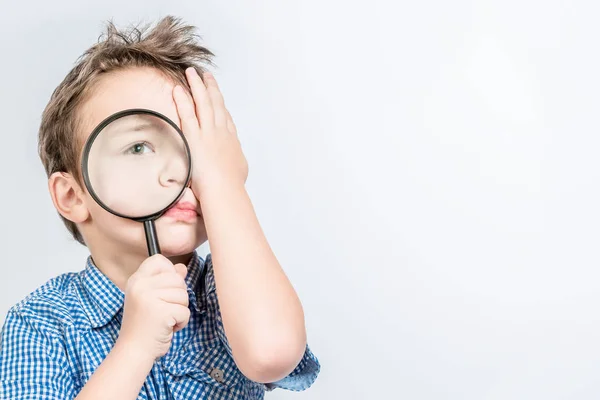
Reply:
x=178, y=233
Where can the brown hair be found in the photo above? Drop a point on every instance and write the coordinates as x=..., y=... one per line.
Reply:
x=170, y=46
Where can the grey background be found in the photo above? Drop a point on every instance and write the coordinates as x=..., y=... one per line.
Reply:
x=426, y=172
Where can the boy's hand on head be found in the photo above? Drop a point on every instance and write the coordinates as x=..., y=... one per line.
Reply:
x=217, y=157
x=156, y=306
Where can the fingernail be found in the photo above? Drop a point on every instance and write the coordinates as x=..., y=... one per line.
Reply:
x=208, y=74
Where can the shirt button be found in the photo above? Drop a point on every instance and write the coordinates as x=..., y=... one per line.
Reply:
x=217, y=375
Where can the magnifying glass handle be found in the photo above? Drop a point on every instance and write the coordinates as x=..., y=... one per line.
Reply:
x=151, y=237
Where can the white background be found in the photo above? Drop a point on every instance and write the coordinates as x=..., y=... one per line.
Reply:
x=425, y=171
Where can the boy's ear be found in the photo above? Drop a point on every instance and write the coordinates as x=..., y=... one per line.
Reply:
x=67, y=196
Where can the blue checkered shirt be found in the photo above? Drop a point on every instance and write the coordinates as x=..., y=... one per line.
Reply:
x=53, y=341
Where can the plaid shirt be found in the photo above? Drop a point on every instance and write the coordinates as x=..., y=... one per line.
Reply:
x=53, y=341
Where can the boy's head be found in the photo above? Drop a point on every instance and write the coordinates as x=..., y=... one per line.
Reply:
x=136, y=68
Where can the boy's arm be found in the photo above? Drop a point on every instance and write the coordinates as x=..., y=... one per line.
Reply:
x=262, y=315
x=120, y=376
x=33, y=362
x=156, y=306
x=301, y=378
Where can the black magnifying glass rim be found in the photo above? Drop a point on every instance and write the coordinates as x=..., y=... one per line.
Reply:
x=90, y=142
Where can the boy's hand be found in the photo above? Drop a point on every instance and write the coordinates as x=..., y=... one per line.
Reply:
x=156, y=306
x=217, y=157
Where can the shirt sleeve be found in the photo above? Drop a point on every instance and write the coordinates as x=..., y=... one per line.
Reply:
x=32, y=362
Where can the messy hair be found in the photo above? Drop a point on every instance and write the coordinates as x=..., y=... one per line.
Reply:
x=170, y=46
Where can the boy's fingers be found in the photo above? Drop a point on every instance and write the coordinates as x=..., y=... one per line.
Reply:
x=230, y=125
x=175, y=296
x=187, y=112
x=203, y=106
x=169, y=280
x=181, y=270
x=216, y=99
x=178, y=327
x=179, y=315
x=155, y=265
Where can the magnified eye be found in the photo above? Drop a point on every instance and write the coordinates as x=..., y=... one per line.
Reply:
x=139, y=149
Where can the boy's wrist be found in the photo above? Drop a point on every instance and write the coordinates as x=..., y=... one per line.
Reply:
x=218, y=192
x=131, y=352
x=209, y=185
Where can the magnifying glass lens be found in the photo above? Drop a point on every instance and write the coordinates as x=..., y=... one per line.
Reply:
x=137, y=165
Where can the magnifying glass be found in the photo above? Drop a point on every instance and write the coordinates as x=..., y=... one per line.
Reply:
x=136, y=164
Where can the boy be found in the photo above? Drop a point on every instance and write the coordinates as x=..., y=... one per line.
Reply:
x=170, y=326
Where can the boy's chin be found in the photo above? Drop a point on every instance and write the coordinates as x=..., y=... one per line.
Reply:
x=177, y=246
x=179, y=239
x=173, y=239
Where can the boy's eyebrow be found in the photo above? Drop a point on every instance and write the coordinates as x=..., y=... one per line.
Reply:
x=142, y=125
x=132, y=126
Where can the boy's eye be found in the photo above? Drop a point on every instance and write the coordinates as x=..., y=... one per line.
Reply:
x=139, y=148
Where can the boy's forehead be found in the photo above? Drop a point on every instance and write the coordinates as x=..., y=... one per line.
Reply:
x=131, y=88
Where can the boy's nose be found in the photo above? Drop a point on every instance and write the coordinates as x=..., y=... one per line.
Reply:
x=173, y=174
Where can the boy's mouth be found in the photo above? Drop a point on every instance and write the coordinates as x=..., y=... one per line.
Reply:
x=183, y=211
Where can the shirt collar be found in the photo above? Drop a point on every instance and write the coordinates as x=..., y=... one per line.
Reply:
x=102, y=299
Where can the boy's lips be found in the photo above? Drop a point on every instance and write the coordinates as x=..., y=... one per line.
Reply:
x=183, y=211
